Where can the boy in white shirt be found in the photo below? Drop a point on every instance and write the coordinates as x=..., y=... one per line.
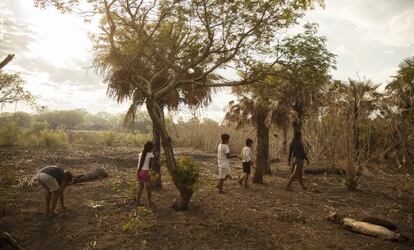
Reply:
x=247, y=162
x=223, y=156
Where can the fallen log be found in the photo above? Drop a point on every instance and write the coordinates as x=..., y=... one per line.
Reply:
x=7, y=240
x=372, y=230
x=94, y=175
x=366, y=228
x=380, y=222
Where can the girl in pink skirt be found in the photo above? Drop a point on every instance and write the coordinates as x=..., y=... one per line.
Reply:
x=143, y=171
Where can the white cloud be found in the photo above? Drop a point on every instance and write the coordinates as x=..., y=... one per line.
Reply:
x=341, y=50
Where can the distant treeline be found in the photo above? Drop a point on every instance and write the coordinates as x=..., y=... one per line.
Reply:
x=78, y=119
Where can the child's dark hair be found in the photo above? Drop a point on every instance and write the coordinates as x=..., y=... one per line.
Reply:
x=249, y=142
x=148, y=147
x=69, y=177
x=225, y=137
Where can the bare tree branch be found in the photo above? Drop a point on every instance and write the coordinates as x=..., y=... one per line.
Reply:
x=6, y=60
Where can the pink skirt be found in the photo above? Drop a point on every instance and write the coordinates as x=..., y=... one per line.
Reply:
x=143, y=176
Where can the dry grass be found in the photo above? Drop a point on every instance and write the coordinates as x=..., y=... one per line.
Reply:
x=206, y=136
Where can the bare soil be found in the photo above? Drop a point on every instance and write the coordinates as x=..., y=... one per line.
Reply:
x=102, y=214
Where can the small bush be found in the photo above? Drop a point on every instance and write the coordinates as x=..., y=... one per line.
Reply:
x=9, y=134
x=154, y=176
x=49, y=138
x=32, y=141
x=109, y=138
x=38, y=126
x=188, y=172
x=143, y=220
x=130, y=225
x=141, y=139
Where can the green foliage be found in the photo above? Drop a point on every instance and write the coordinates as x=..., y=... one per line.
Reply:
x=154, y=176
x=188, y=172
x=12, y=89
x=9, y=134
x=130, y=225
x=141, y=139
x=21, y=119
x=143, y=211
x=65, y=119
x=401, y=89
x=143, y=220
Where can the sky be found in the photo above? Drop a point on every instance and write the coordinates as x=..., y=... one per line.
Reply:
x=53, y=51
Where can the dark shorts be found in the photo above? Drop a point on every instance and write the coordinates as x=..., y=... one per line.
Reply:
x=246, y=167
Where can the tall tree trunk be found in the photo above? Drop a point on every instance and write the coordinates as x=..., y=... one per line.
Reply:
x=156, y=137
x=297, y=123
x=185, y=193
x=262, y=148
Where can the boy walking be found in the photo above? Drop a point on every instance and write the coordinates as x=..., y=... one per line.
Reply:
x=223, y=156
x=247, y=162
x=297, y=151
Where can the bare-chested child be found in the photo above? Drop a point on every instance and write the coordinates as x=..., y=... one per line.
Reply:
x=223, y=156
x=298, y=155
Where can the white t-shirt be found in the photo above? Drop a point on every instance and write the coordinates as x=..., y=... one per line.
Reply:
x=222, y=151
x=247, y=154
x=146, y=165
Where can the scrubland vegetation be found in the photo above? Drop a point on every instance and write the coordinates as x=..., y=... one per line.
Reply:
x=163, y=55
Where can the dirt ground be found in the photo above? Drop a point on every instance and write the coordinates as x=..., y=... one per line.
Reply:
x=102, y=215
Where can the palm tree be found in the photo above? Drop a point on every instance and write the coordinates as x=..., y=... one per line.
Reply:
x=359, y=100
x=255, y=107
x=121, y=88
x=401, y=88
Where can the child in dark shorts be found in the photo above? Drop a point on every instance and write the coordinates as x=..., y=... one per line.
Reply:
x=247, y=162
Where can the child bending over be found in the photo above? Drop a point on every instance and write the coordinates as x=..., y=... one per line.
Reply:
x=54, y=180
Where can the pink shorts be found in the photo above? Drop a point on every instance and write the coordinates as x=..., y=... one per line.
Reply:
x=143, y=176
